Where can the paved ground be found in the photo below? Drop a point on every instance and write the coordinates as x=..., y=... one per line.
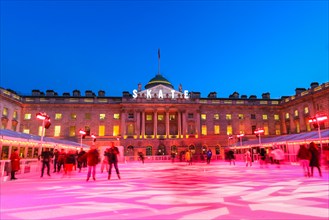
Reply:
x=171, y=191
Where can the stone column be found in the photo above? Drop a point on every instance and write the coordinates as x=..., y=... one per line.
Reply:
x=179, y=123
x=155, y=123
x=138, y=123
x=167, y=124
x=143, y=124
x=123, y=124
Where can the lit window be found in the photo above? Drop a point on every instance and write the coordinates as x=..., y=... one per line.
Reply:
x=57, y=131
x=216, y=129
x=265, y=130
x=228, y=117
x=72, y=131
x=204, y=130
x=87, y=116
x=216, y=116
x=116, y=116
x=149, y=117
x=58, y=116
x=40, y=131
x=241, y=116
x=27, y=116
x=172, y=117
x=296, y=113
x=160, y=117
x=15, y=115
x=287, y=116
x=101, y=116
x=116, y=130
x=203, y=116
x=306, y=110
x=73, y=116
x=229, y=130
x=265, y=117
x=101, y=130
x=5, y=111
x=276, y=117
x=26, y=131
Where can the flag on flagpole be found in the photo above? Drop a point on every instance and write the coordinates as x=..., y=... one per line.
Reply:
x=159, y=53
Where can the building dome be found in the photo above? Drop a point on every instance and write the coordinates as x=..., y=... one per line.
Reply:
x=158, y=80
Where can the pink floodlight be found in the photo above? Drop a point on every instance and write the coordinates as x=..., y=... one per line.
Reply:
x=318, y=118
x=259, y=131
x=82, y=132
x=42, y=116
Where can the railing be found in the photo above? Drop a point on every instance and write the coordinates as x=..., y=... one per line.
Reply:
x=26, y=166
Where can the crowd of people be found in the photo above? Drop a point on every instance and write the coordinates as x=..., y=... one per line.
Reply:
x=308, y=156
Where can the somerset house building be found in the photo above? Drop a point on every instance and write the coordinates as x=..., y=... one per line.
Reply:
x=159, y=119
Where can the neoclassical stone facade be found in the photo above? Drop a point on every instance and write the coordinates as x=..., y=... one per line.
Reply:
x=161, y=119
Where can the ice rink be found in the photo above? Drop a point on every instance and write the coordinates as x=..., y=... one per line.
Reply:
x=166, y=190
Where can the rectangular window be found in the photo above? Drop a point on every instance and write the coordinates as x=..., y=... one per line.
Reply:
x=241, y=116
x=190, y=116
x=101, y=116
x=116, y=116
x=276, y=117
x=5, y=112
x=149, y=117
x=72, y=131
x=40, y=131
x=58, y=116
x=172, y=117
x=27, y=116
x=203, y=116
x=73, y=116
x=287, y=116
x=229, y=130
x=57, y=131
x=130, y=115
x=160, y=117
x=15, y=115
x=216, y=116
x=265, y=117
x=296, y=113
x=253, y=116
x=216, y=129
x=266, y=130
x=306, y=110
x=204, y=130
x=26, y=131
x=228, y=117
x=87, y=116
x=116, y=130
x=101, y=130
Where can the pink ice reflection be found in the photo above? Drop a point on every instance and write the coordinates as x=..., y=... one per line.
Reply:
x=168, y=190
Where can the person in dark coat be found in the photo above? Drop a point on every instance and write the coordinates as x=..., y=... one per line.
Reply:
x=55, y=159
x=46, y=155
x=112, y=155
x=231, y=157
x=304, y=156
x=209, y=155
x=15, y=163
x=315, y=158
x=81, y=160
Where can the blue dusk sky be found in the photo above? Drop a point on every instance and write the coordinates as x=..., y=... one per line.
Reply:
x=249, y=47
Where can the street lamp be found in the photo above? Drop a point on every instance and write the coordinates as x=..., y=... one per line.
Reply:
x=258, y=132
x=83, y=134
x=240, y=137
x=45, y=124
x=316, y=124
x=93, y=137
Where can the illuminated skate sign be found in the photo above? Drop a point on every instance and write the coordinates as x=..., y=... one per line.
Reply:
x=160, y=93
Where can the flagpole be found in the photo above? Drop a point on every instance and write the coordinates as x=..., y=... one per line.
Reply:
x=159, y=61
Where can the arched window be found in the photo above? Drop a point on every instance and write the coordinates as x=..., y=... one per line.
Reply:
x=148, y=151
